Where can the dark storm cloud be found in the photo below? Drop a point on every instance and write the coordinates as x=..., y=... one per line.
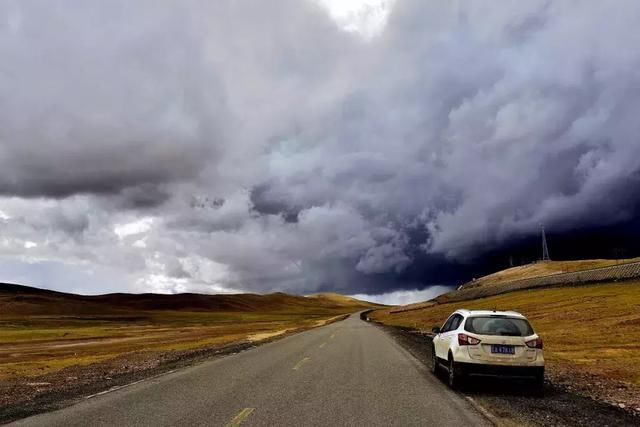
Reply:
x=142, y=196
x=317, y=160
x=264, y=203
x=101, y=98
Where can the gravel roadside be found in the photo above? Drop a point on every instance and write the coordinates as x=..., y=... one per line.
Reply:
x=23, y=397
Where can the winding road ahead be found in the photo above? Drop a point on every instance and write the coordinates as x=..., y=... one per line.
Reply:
x=349, y=373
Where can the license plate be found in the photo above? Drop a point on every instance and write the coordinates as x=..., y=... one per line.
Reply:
x=503, y=349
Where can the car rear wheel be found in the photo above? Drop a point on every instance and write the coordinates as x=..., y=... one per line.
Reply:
x=539, y=385
x=455, y=374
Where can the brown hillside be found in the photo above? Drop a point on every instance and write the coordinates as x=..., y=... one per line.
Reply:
x=544, y=269
x=340, y=299
x=17, y=300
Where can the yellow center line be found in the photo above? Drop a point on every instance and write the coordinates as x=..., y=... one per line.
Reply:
x=238, y=419
x=322, y=345
x=300, y=363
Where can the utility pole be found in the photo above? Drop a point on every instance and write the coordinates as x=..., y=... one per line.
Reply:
x=545, y=248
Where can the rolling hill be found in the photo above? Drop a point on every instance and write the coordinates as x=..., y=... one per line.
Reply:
x=18, y=300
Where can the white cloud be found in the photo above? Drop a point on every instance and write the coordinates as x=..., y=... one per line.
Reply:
x=365, y=17
x=133, y=228
x=404, y=297
x=140, y=244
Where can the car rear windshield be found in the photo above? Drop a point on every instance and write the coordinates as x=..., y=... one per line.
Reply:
x=498, y=325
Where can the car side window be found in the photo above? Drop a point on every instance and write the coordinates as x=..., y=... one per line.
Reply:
x=457, y=319
x=447, y=325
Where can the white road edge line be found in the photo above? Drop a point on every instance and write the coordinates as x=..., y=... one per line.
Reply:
x=300, y=363
x=118, y=387
x=488, y=415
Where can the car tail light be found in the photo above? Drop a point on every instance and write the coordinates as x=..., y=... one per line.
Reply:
x=464, y=339
x=535, y=343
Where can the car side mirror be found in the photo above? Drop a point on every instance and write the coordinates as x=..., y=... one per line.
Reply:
x=435, y=329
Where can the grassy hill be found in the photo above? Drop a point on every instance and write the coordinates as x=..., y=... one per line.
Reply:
x=335, y=298
x=43, y=331
x=540, y=275
x=544, y=269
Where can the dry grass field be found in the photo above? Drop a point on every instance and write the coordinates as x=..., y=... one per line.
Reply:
x=544, y=269
x=43, y=332
x=595, y=328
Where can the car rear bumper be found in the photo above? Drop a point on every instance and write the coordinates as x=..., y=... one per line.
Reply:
x=521, y=372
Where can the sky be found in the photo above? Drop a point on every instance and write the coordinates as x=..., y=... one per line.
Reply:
x=380, y=148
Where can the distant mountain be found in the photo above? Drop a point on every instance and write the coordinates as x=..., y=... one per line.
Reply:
x=16, y=300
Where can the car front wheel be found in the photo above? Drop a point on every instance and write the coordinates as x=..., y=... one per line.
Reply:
x=434, y=361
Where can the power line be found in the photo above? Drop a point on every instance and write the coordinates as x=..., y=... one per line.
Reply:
x=545, y=248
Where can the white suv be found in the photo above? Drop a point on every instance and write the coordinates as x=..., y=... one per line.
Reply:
x=488, y=343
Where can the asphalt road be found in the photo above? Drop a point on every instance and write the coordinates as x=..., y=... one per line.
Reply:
x=349, y=373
